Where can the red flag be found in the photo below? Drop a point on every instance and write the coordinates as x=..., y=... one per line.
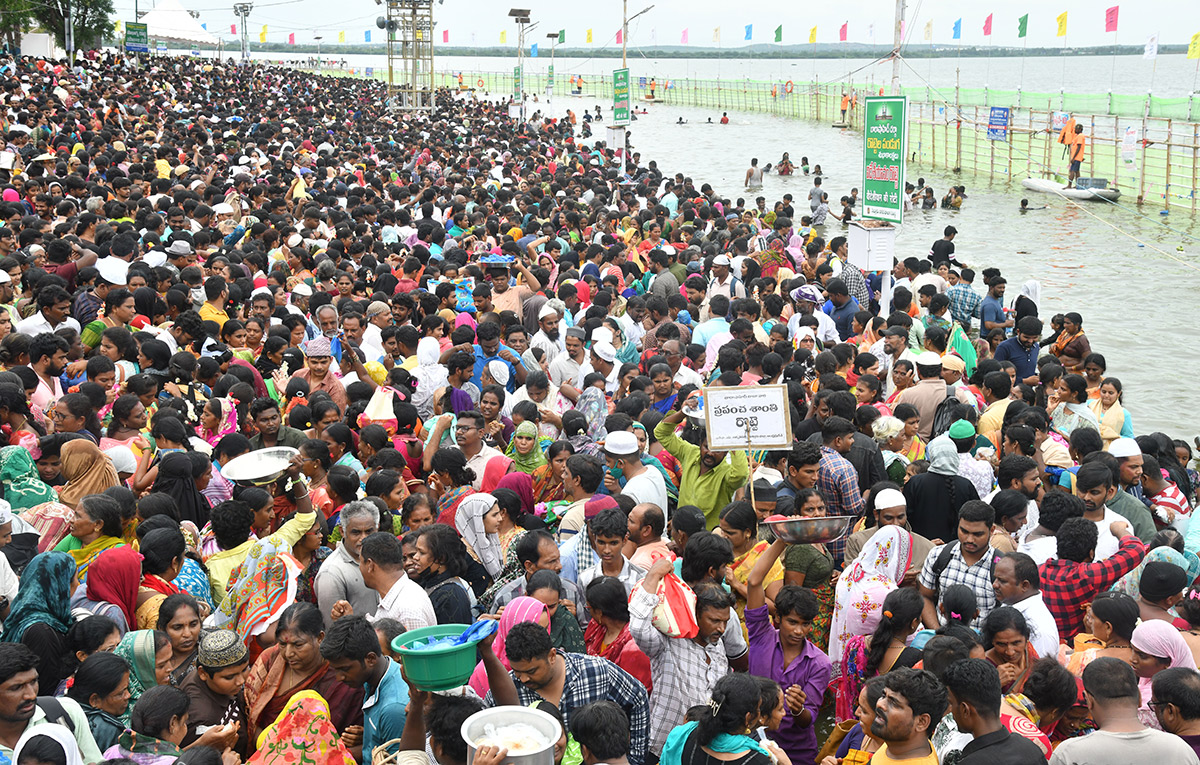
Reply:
x=1110, y=18
x=445, y=35
x=292, y=39
x=987, y=26
x=618, y=37
x=233, y=29
x=842, y=33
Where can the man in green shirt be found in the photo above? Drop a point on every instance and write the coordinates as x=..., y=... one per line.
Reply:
x=707, y=480
x=271, y=430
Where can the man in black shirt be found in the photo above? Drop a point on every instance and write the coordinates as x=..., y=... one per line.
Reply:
x=974, y=690
x=943, y=249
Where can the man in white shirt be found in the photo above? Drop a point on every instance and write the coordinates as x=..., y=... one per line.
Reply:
x=400, y=598
x=564, y=369
x=807, y=297
x=604, y=361
x=1018, y=584
x=607, y=533
x=624, y=457
x=54, y=308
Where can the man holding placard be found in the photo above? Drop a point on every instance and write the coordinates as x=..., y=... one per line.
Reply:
x=707, y=479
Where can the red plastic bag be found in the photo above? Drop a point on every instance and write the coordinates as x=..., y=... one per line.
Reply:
x=675, y=614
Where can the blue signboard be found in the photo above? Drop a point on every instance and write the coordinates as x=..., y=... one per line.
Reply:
x=998, y=124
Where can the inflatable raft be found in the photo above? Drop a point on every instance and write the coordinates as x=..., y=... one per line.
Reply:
x=1047, y=186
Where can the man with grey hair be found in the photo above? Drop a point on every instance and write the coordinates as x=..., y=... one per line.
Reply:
x=326, y=317
x=339, y=585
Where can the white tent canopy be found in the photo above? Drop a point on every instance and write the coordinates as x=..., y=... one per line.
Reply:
x=170, y=22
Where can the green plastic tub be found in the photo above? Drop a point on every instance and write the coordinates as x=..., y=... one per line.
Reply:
x=436, y=669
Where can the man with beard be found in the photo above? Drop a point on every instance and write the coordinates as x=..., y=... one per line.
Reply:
x=708, y=480
x=548, y=337
x=1020, y=473
x=895, y=347
x=807, y=297
x=20, y=711
x=967, y=561
x=912, y=703
x=1094, y=485
x=1023, y=349
x=48, y=358
x=572, y=680
x=683, y=670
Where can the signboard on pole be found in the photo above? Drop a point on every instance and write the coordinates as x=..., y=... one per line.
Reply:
x=747, y=416
x=1058, y=121
x=885, y=143
x=550, y=76
x=620, y=96
x=161, y=48
x=137, y=37
x=517, y=84
x=998, y=124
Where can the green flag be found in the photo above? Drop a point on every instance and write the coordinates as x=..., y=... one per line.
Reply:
x=562, y=35
x=779, y=33
x=1022, y=25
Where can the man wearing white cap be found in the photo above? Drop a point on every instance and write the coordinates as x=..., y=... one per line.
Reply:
x=602, y=359
x=8, y=579
x=623, y=455
x=549, y=336
x=929, y=392
x=724, y=282
x=1129, y=457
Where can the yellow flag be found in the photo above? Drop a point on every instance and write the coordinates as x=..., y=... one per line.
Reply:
x=929, y=30
x=589, y=35
x=1062, y=24
x=341, y=37
x=262, y=36
x=717, y=35
x=1194, y=46
x=812, y=36
x=420, y=35
x=117, y=26
x=503, y=36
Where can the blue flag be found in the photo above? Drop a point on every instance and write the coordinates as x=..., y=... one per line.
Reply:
x=749, y=31
x=204, y=27
x=533, y=51
x=958, y=30
x=368, y=35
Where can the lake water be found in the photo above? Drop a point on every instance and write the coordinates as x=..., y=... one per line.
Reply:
x=1173, y=75
x=1138, y=305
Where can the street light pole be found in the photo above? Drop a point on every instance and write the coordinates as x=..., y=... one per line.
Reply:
x=318, y=39
x=624, y=30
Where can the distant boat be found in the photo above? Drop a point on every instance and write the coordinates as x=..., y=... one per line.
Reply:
x=1047, y=186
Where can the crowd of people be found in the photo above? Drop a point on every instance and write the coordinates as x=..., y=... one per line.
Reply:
x=287, y=374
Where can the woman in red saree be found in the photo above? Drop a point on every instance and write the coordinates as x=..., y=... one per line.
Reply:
x=294, y=664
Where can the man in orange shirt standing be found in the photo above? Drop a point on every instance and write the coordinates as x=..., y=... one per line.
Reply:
x=1077, y=149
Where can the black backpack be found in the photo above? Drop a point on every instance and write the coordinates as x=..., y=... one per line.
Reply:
x=947, y=413
x=55, y=712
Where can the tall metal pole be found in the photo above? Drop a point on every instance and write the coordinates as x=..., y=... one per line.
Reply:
x=897, y=40
x=624, y=30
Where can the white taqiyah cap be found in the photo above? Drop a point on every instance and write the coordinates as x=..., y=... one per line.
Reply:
x=1124, y=447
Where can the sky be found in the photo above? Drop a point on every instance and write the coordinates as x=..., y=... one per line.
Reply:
x=479, y=22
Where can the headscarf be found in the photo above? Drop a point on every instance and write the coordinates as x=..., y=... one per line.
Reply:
x=531, y=308
x=495, y=469
x=44, y=596
x=58, y=733
x=87, y=470
x=1032, y=290
x=518, y=611
x=460, y=401
x=1131, y=583
x=137, y=649
x=594, y=408
x=526, y=463
x=942, y=455
x=468, y=519
x=114, y=577
x=584, y=291
x=429, y=375
x=1162, y=640
x=303, y=732
x=522, y=485
x=877, y=570
x=23, y=486
x=177, y=478
x=227, y=415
